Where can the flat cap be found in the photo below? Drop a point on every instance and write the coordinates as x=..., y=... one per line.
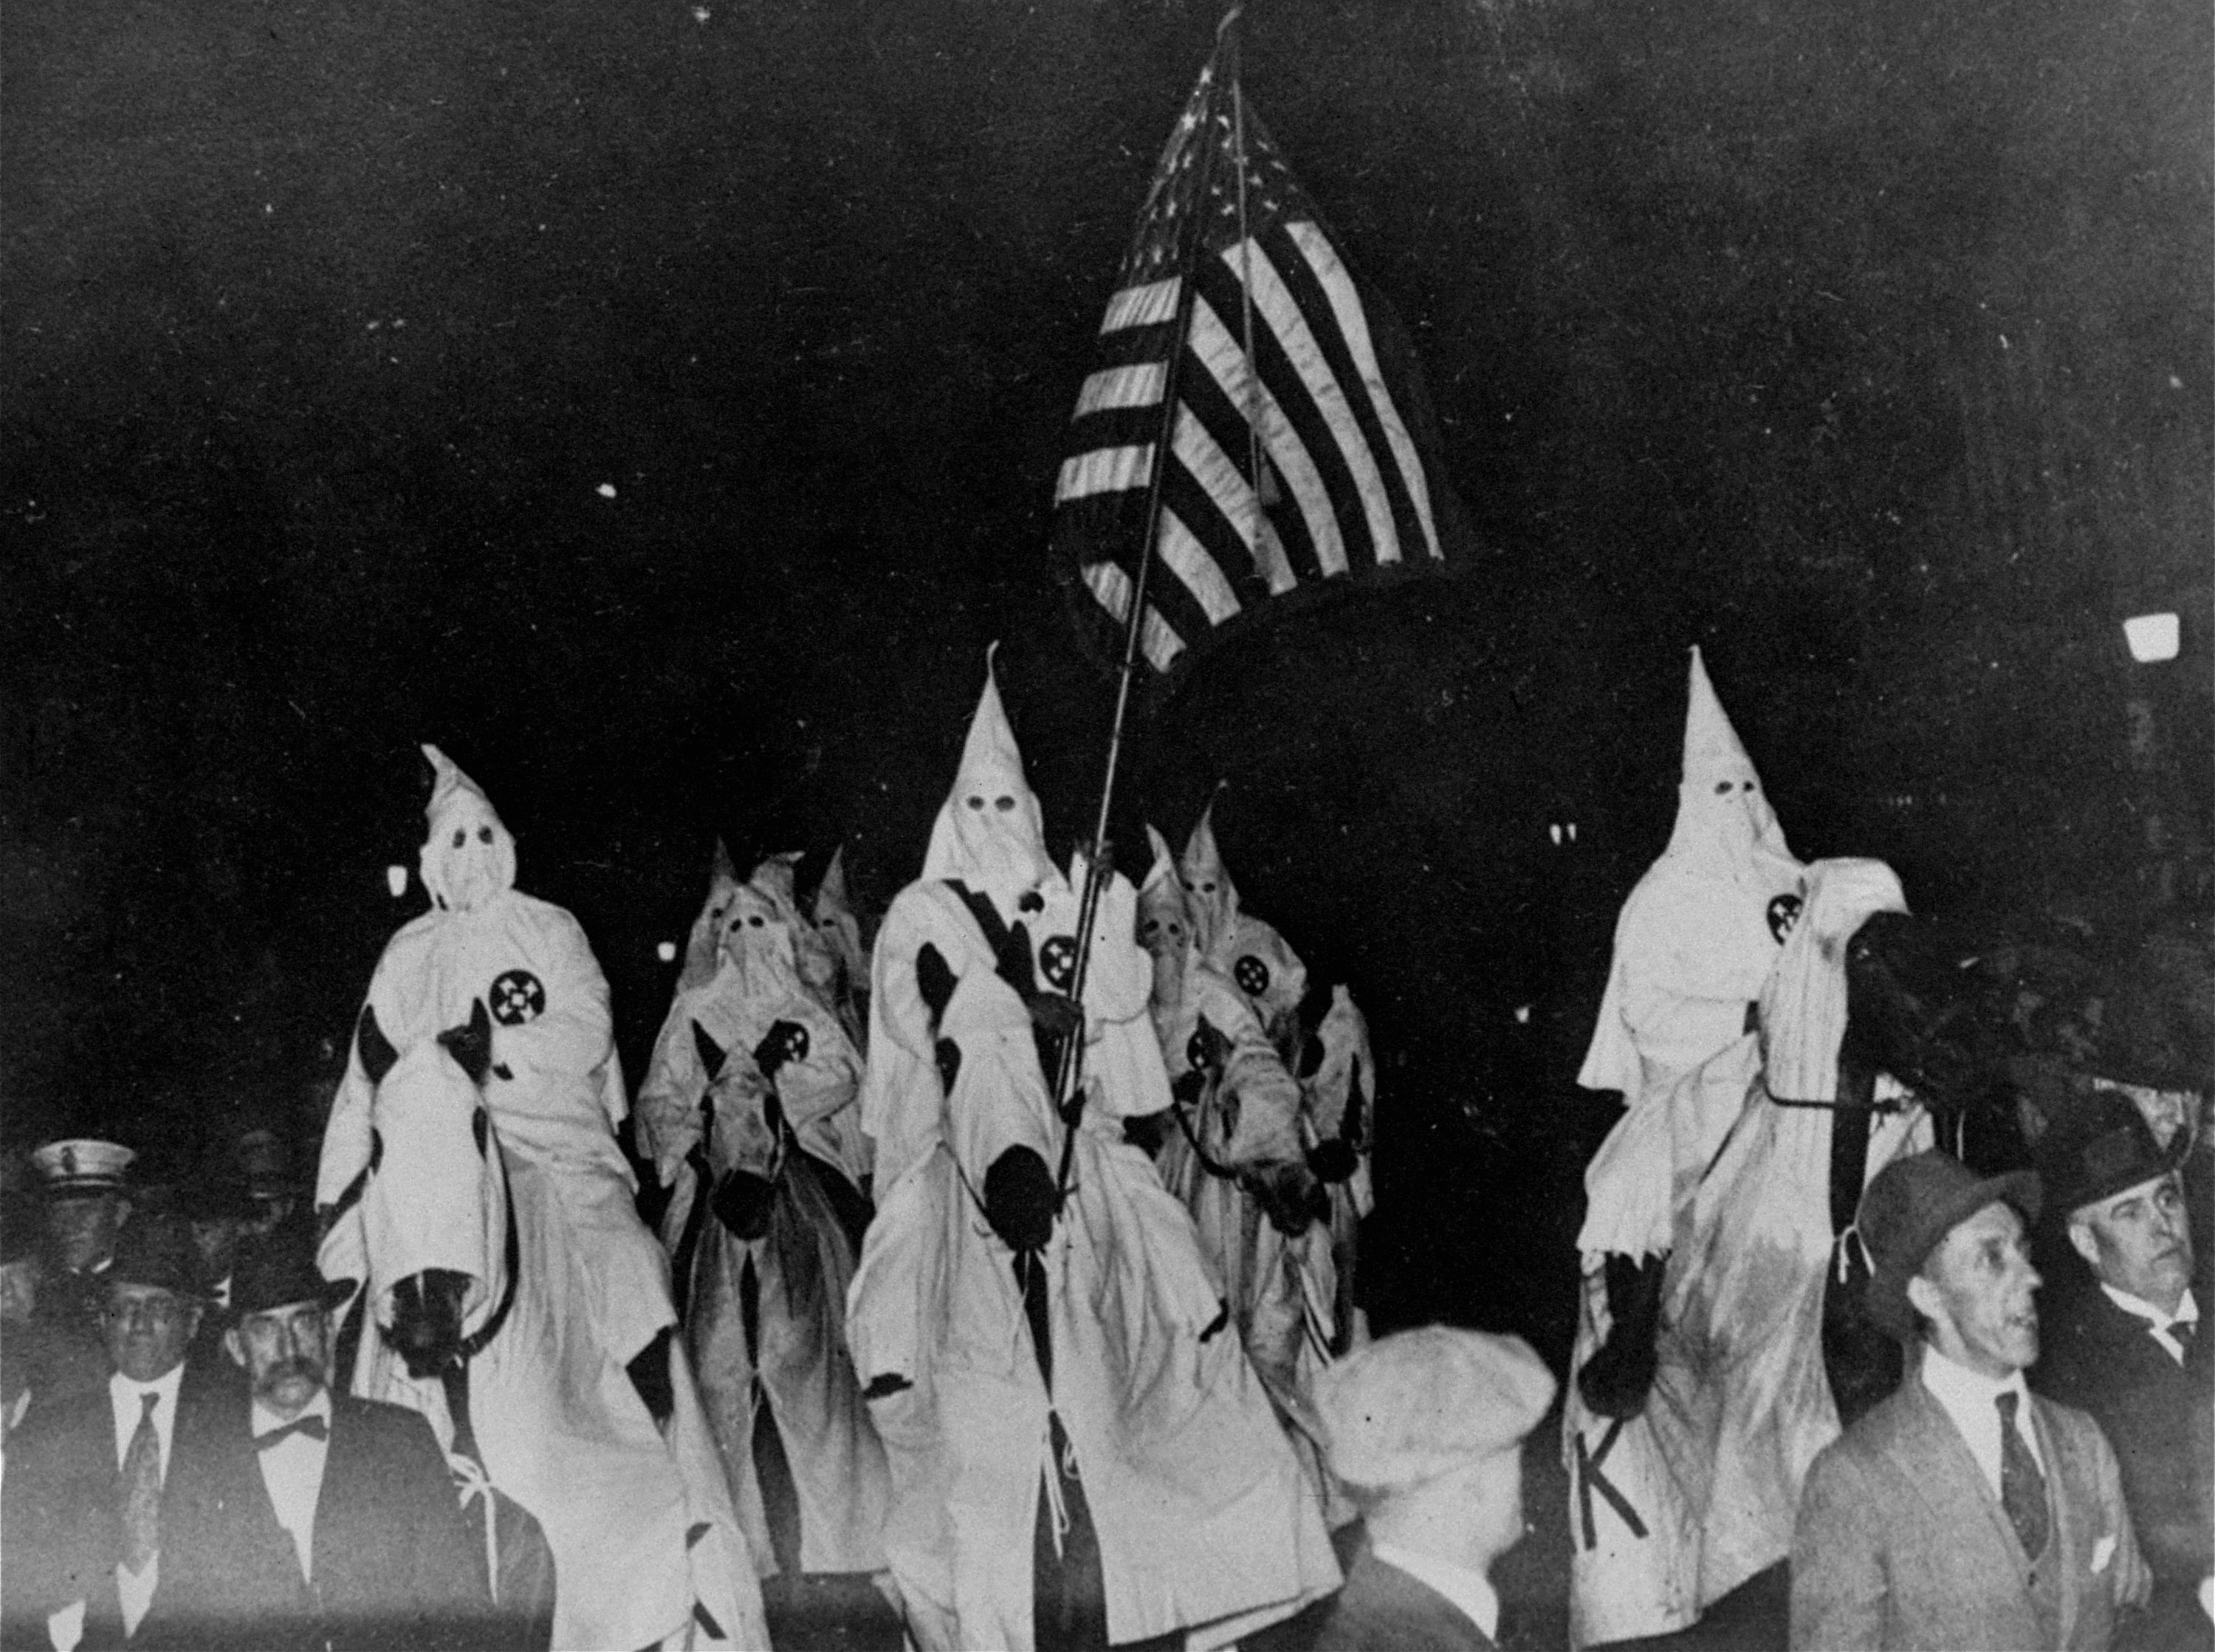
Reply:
x=1418, y=1403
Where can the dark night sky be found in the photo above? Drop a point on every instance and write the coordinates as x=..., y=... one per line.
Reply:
x=1867, y=343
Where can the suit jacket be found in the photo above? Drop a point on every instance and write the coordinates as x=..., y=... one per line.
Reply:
x=2159, y=1417
x=60, y=1525
x=1901, y=1544
x=393, y=1565
x=1380, y=1609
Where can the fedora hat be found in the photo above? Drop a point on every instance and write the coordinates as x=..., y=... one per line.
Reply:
x=156, y=1248
x=1909, y=1207
x=2098, y=1147
x=279, y=1269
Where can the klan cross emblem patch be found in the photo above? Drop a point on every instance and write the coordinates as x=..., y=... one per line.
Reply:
x=1058, y=959
x=1783, y=912
x=517, y=997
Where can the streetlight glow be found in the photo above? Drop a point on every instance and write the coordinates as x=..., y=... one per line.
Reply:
x=666, y=952
x=2152, y=637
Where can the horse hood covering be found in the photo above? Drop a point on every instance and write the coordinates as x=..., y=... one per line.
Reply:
x=1698, y=935
x=1201, y=1516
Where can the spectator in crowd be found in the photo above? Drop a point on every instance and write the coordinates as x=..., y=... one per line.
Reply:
x=91, y=1474
x=2125, y=1344
x=1425, y=1428
x=87, y=1204
x=314, y=1519
x=1962, y=1513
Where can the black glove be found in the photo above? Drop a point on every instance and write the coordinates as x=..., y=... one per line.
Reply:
x=1189, y=1086
x=1334, y=1160
x=1147, y=1132
x=1052, y=1012
x=1020, y=1199
x=785, y=1041
x=948, y=1056
x=1289, y=1195
x=934, y=980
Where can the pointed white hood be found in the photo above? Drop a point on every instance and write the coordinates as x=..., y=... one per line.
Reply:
x=989, y=833
x=702, y=944
x=1211, y=897
x=1724, y=827
x=838, y=925
x=468, y=856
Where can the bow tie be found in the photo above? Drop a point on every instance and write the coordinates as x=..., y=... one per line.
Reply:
x=311, y=1425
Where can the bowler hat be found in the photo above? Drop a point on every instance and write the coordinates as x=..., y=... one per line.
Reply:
x=2099, y=1147
x=156, y=1248
x=1909, y=1206
x=279, y=1269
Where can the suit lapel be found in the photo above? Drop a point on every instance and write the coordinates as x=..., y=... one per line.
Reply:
x=1938, y=1462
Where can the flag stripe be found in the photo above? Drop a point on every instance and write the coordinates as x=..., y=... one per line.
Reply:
x=1112, y=587
x=1305, y=337
x=1184, y=494
x=1358, y=374
x=1336, y=520
x=1152, y=304
x=1105, y=470
x=1204, y=400
x=1188, y=558
x=1225, y=362
x=1123, y=386
x=1231, y=500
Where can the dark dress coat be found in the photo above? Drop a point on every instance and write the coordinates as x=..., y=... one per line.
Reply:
x=2159, y=1417
x=1380, y=1609
x=395, y=1566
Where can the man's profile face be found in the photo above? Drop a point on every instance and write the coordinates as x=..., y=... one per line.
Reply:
x=1978, y=1291
x=2139, y=1240
x=84, y=1225
x=147, y=1329
x=286, y=1351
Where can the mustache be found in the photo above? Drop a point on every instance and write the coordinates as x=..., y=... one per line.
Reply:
x=293, y=1365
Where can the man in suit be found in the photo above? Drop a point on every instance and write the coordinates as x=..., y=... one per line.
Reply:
x=84, y=1518
x=87, y=1201
x=1961, y=1513
x=2125, y=1344
x=1425, y=1429
x=315, y=1520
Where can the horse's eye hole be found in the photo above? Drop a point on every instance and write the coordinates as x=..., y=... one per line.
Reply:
x=755, y=922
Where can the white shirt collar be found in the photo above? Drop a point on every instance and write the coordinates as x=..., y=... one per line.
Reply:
x=1967, y=1397
x=2187, y=1311
x=1470, y=1592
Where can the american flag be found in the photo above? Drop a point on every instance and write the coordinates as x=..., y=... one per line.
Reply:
x=1305, y=472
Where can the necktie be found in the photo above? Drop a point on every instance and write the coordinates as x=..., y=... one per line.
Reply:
x=142, y=1491
x=2023, y=1488
x=2179, y=1332
x=311, y=1425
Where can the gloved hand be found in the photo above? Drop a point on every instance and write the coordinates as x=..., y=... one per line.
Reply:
x=1290, y=1196
x=1189, y=1086
x=1334, y=1160
x=1054, y=1014
x=785, y=1041
x=1020, y=1199
x=934, y=980
x=1147, y=1132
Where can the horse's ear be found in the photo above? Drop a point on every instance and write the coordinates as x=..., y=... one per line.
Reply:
x=471, y=1045
x=711, y=1053
x=377, y=1052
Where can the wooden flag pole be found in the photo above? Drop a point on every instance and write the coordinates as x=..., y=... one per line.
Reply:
x=1067, y=1088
